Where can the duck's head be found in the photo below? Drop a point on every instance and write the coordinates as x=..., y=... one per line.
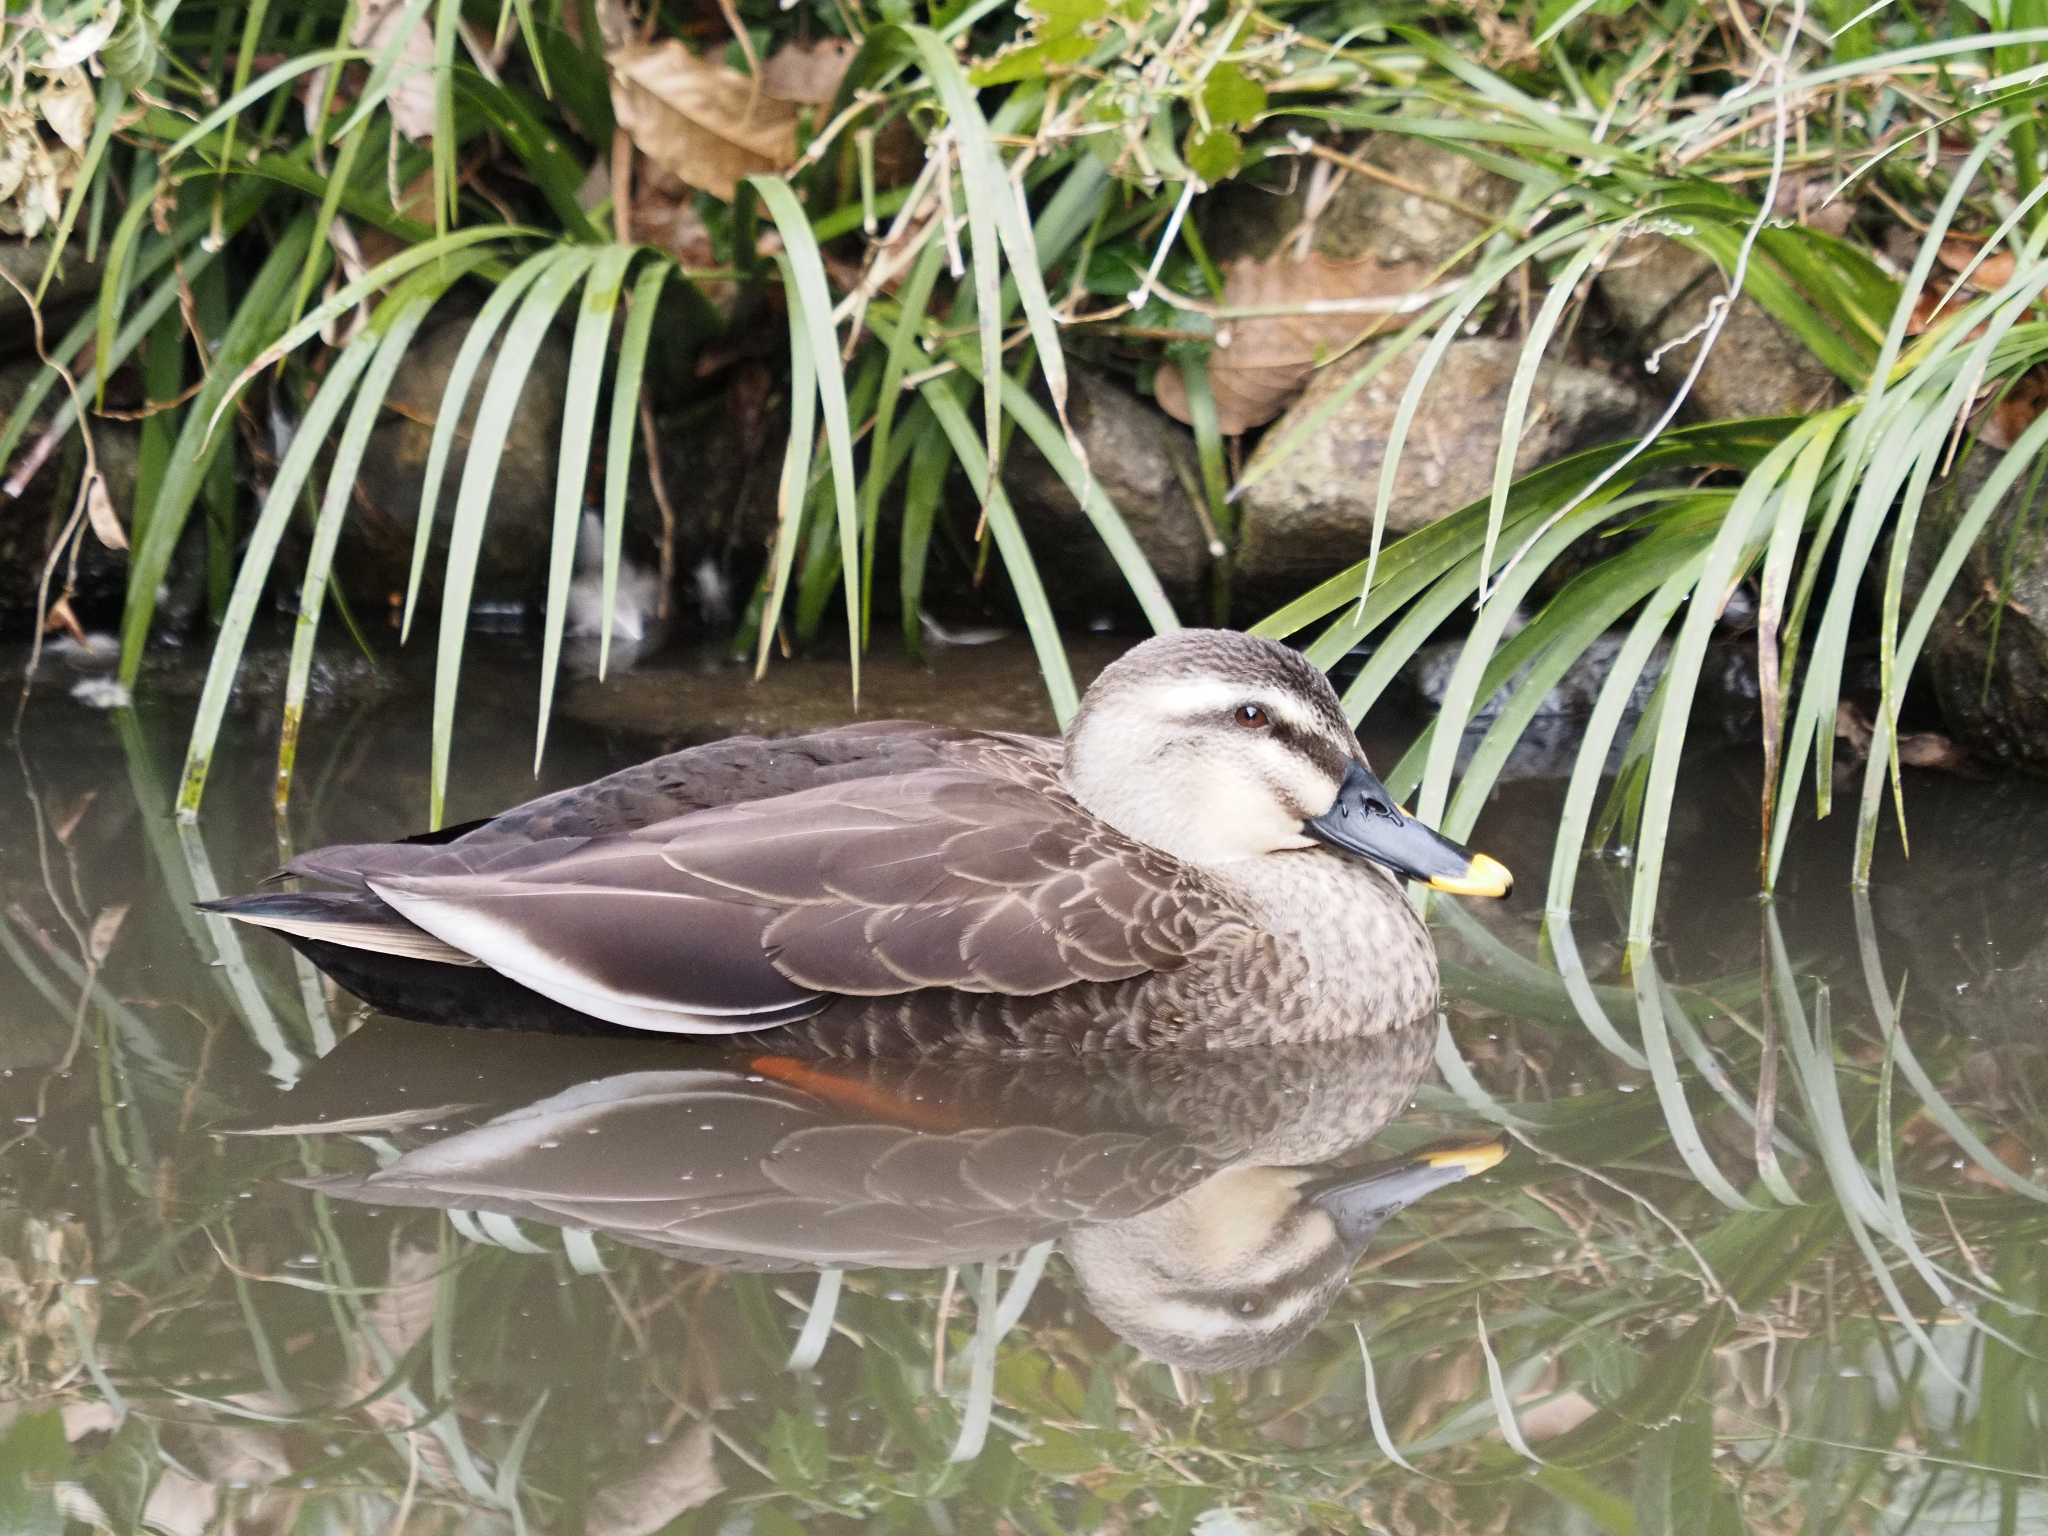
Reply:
x=1238, y=1269
x=1216, y=746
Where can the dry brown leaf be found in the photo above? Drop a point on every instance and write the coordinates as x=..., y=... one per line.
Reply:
x=679, y=1478
x=415, y=201
x=2009, y=1150
x=105, y=929
x=2016, y=409
x=1958, y=251
x=1268, y=359
x=99, y=511
x=1917, y=749
x=61, y=620
x=808, y=72
x=411, y=102
x=67, y=105
x=1852, y=727
x=706, y=125
x=1932, y=750
x=67, y=824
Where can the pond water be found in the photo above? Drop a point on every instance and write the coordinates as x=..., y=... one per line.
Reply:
x=1765, y=1251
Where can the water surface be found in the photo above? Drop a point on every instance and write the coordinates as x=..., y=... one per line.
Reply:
x=1765, y=1252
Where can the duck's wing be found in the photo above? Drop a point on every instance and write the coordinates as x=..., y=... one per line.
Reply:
x=756, y=914
x=734, y=771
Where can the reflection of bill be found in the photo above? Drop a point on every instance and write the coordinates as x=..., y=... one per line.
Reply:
x=1198, y=1199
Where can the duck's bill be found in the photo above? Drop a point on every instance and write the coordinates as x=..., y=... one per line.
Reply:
x=1365, y=821
x=1359, y=1199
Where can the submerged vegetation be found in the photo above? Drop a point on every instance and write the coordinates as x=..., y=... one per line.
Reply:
x=952, y=206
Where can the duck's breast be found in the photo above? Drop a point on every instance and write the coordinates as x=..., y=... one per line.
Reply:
x=1350, y=957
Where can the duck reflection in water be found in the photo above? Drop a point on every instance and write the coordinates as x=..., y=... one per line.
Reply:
x=1211, y=1205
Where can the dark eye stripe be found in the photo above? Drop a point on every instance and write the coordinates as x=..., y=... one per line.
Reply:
x=1319, y=750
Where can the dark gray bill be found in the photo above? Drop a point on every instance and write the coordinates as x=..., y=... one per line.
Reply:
x=1365, y=821
x=1359, y=1199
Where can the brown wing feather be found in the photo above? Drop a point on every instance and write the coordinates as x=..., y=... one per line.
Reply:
x=956, y=877
x=734, y=771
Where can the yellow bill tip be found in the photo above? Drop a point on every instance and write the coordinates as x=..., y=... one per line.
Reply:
x=1474, y=1159
x=1482, y=877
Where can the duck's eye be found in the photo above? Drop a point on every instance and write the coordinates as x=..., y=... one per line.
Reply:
x=1251, y=717
x=1246, y=1305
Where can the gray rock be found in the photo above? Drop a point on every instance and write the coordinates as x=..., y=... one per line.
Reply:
x=1311, y=515
x=375, y=556
x=1146, y=464
x=1660, y=290
x=29, y=526
x=1987, y=653
x=1572, y=697
x=1389, y=221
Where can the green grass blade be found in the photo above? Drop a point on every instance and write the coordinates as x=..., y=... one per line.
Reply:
x=987, y=190
x=1738, y=542
x=791, y=495
x=923, y=488
x=1515, y=416
x=254, y=571
x=351, y=294
x=255, y=91
x=114, y=280
x=557, y=278
x=380, y=84
x=469, y=358
x=911, y=303
x=579, y=427
x=87, y=178
x=1024, y=579
x=330, y=203
x=811, y=299
x=397, y=321
x=1589, y=766
x=262, y=301
x=447, y=18
x=618, y=456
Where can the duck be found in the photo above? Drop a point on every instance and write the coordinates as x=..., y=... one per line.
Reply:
x=1203, y=860
x=1210, y=1205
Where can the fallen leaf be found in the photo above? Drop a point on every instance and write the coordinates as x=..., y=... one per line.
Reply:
x=67, y=106
x=415, y=201
x=1260, y=365
x=1958, y=251
x=1917, y=749
x=706, y=125
x=99, y=511
x=411, y=102
x=681, y=1477
x=105, y=929
x=2009, y=1150
x=67, y=824
x=1852, y=727
x=61, y=618
x=1932, y=750
x=808, y=72
x=2016, y=409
